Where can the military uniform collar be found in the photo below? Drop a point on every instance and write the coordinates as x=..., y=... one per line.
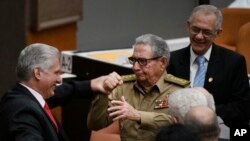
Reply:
x=161, y=82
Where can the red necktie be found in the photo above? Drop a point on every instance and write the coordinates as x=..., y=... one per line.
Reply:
x=47, y=110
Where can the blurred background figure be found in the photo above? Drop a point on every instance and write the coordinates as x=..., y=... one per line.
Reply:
x=240, y=3
x=181, y=101
x=176, y=132
x=203, y=122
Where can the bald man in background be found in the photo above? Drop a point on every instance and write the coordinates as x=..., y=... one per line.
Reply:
x=203, y=122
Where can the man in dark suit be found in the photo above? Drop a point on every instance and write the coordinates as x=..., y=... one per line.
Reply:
x=24, y=114
x=225, y=73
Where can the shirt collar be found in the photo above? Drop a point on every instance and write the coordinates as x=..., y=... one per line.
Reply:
x=206, y=55
x=38, y=96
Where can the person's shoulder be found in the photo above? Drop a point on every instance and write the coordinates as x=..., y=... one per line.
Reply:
x=131, y=78
x=179, y=54
x=176, y=80
x=228, y=56
x=128, y=84
x=17, y=98
x=227, y=52
x=180, y=51
x=16, y=104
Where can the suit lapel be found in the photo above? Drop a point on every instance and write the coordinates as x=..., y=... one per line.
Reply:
x=212, y=68
x=26, y=92
x=184, y=67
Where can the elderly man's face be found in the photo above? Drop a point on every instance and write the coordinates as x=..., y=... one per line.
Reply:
x=147, y=73
x=202, y=32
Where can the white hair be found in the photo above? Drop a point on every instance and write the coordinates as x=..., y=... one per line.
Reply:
x=35, y=55
x=180, y=102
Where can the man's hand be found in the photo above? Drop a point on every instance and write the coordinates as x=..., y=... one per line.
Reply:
x=105, y=84
x=123, y=110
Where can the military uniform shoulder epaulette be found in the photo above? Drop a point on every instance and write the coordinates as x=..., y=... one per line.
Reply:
x=176, y=80
x=128, y=78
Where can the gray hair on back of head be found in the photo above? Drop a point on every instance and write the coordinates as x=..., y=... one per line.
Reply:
x=180, y=102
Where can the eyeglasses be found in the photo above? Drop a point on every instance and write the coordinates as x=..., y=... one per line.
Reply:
x=205, y=32
x=141, y=61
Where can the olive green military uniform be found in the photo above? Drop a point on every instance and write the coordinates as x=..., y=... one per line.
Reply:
x=152, y=106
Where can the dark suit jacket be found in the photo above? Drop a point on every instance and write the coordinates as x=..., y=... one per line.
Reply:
x=22, y=118
x=229, y=84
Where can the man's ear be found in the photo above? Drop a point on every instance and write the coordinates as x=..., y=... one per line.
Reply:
x=219, y=32
x=37, y=73
x=164, y=61
x=187, y=26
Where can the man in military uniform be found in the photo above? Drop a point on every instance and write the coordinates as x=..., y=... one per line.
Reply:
x=140, y=103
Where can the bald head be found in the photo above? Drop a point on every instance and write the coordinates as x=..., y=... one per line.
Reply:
x=203, y=114
x=203, y=121
x=180, y=101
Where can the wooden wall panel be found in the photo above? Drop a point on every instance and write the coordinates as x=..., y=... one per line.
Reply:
x=52, y=13
x=62, y=37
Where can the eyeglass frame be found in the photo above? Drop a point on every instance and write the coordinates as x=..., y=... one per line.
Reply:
x=141, y=61
x=205, y=32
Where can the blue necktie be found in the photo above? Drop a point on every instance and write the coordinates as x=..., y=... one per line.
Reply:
x=200, y=74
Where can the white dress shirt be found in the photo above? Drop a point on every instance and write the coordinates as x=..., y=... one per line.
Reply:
x=38, y=96
x=194, y=66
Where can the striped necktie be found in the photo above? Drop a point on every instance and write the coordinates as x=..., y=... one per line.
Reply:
x=200, y=74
